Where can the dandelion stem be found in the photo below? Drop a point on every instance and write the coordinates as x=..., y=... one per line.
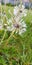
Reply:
x=10, y=36
x=3, y=37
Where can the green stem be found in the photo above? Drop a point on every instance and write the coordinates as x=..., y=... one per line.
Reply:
x=3, y=37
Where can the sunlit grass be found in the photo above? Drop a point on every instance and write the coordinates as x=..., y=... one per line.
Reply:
x=19, y=48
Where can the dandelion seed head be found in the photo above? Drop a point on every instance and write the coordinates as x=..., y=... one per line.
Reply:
x=19, y=26
x=18, y=10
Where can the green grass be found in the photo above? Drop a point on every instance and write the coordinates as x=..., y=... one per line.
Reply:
x=18, y=51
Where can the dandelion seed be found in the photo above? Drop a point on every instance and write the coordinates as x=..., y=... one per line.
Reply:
x=9, y=21
x=16, y=9
x=8, y=28
x=1, y=26
x=4, y=14
x=0, y=3
x=5, y=26
x=23, y=7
